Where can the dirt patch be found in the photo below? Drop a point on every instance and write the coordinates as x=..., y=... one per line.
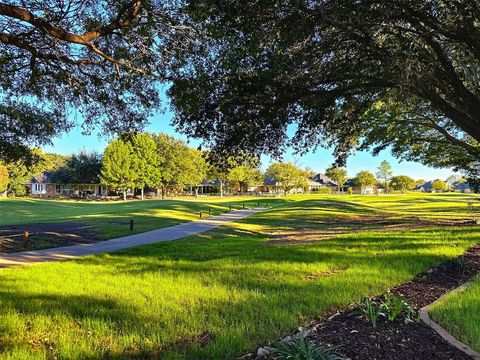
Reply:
x=319, y=274
x=46, y=235
x=334, y=228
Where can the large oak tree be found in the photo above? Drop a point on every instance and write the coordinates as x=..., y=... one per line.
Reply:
x=349, y=74
x=65, y=62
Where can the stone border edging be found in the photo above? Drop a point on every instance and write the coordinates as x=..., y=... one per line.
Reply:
x=449, y=338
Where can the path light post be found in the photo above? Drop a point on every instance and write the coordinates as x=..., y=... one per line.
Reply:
x=230, y=206
x=243, y=206
x=26, y=235
x=200, y=214
x=131, y=224
x=209, y=212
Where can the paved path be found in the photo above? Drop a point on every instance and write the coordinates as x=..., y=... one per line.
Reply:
x=151, y=237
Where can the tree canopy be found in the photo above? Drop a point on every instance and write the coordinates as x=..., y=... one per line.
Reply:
x=384, y=173
x=119, y=166
x=365, y=178
x=338, y=175
x=288, y=176
x=4, y=179
x=102, y=58
x=350, y=74
x=439, y=185
x=147, y=161
x=402, y=183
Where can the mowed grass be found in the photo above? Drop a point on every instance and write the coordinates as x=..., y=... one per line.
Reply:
x=111, y=219
x=221, y=294
x=459, y=313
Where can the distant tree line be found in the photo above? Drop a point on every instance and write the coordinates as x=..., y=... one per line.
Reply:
x=163, y=163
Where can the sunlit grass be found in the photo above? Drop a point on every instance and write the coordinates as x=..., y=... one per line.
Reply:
x=224, y=292
x=459, y=313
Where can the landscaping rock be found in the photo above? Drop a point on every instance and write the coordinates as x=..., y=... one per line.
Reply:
x=262, y=352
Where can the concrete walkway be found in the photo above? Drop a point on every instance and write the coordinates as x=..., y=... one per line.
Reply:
x=150, y=237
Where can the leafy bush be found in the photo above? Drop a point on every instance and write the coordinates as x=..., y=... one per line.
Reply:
x=302, y=349
x=349, y=190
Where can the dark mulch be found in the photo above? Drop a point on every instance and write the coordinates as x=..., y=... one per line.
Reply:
x=46, y=235
x=357, y=339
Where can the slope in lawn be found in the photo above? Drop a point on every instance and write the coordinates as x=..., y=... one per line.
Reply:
x=219, y=294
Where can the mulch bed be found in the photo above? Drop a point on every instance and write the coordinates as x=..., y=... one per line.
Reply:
x=355, y=338
x=45, y=235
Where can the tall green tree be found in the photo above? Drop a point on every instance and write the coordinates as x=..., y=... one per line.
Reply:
x=147, y=161
x=403, y=183
x=119, y=166
x=288, y=176
x=365, y=179
x=18, y=174
x=196, y=169
x=242, y=176
x=81, y=168
x=4, y=179
x=338, y=175
x=175, y=162
x=439, y=185
x=384, y=173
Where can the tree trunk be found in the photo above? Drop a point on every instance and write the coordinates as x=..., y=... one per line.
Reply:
x=124, y=194
x=142, y=193
x=221, y=188
x=163, y=192
x=196, y=191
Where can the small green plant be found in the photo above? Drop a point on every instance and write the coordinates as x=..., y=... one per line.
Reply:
x=303, y=349
x=349, y=190
x=391, y=308
x=371, y=311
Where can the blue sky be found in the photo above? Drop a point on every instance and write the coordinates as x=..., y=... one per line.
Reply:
x=318, y=160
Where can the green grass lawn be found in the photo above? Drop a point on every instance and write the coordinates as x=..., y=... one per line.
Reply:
x=459, y=313
x=224, y=292
x=111, y=219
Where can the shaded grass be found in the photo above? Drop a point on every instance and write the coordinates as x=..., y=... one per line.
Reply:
x=459, y=313
x=221, y=293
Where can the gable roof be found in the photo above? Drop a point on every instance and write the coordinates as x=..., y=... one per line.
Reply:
x=322, y=179
x=43, y=178
x=461, y=186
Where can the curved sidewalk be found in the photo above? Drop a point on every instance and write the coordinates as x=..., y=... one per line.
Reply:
x=150, y=237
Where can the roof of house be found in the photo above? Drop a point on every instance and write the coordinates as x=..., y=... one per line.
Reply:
x=322, y=179
x=461, y=186
x=43, y=178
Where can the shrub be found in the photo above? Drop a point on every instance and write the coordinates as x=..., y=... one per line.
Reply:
x=349, y=190
x=302, y=349
x=324, y=190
